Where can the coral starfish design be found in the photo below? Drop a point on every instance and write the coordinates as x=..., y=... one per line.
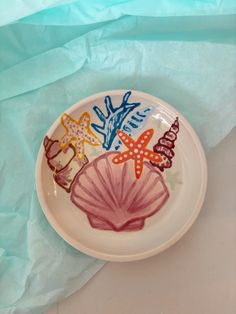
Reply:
x=78, y=132
x=132, y=127
x=136, y=150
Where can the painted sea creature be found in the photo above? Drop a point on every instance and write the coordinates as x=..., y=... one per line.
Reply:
x=114, y=118
x=134, y=124
x=112, y=197
x=57, y=158
x=165, y=145
x=64, y=163
x=137, y=151
x=78, y=133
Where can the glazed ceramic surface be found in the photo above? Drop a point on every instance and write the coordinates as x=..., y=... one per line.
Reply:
x=121, y=175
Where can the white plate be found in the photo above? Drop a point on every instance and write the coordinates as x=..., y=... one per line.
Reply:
x=171, y=207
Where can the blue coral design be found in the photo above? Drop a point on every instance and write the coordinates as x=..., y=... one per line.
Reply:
x=114, y=118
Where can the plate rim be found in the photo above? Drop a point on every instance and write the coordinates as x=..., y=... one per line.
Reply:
x=128, y=257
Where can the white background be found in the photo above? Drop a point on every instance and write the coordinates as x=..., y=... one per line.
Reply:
x=195, y=276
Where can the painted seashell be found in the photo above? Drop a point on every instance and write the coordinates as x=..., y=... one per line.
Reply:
x=66, y=176
x=165, y=146
x=57, y=159
x=63, y=163
x=113, y=198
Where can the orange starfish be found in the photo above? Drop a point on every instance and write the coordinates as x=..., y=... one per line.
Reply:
x=137, y=150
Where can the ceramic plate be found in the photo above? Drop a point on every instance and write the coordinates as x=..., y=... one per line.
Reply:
x=121, y=175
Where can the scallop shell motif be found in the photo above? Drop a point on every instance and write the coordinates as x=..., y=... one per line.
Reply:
x=113, y=198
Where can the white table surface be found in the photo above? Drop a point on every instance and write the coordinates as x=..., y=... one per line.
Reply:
x=195, y=276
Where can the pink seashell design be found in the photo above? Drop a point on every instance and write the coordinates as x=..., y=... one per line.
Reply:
x=113, y=198
x=63, y=163
x=165, y=145
x=56, y=157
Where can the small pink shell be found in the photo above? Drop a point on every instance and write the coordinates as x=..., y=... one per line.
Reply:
x=63, y=163
x=113, y=198
x=165, y=145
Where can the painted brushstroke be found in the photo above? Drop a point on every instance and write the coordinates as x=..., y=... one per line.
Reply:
x=137, y=151
x=165, y=145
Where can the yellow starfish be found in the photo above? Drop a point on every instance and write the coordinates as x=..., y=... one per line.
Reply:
x=77, y=133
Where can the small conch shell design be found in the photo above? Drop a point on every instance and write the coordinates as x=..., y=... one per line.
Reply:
x=165, y=145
